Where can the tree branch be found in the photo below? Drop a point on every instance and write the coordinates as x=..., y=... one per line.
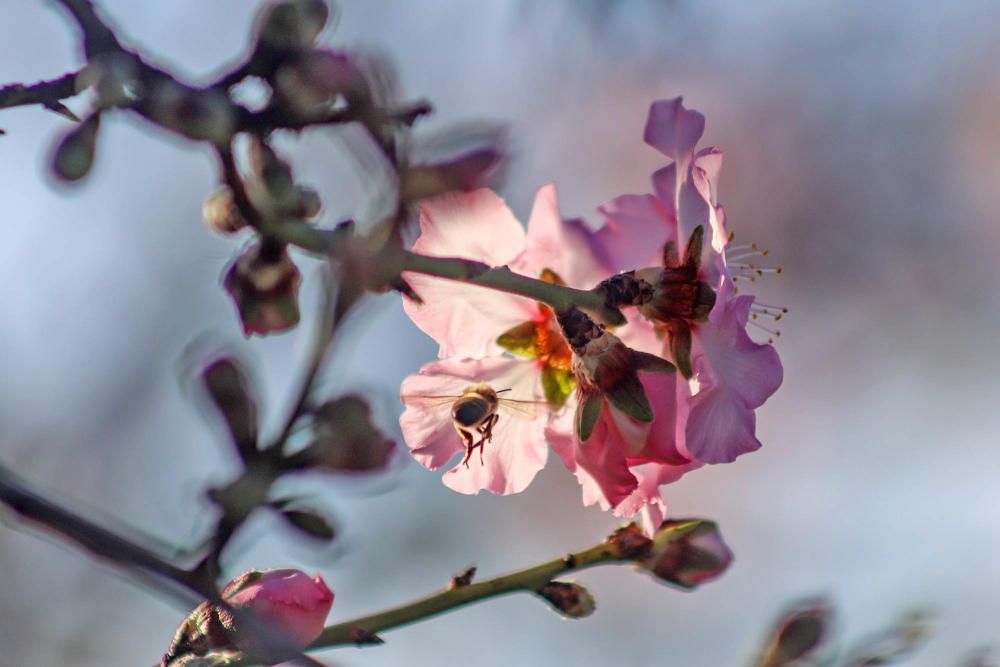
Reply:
x=363, y=630
x=559, y=297
x=46, y=93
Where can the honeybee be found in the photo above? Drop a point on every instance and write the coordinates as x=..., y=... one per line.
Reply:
x=476, y=411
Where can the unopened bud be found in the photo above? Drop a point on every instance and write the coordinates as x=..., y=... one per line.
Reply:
x=687, y=552
x=221, y=213
x=345, y=439
x=265, y=289
x=202, y=115
x=800, y=632
x=74, y=154
x=230, y=390
x=568, y=598
x=288, y=25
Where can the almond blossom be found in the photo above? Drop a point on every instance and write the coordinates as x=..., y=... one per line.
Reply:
x=690, y=299
x=513, y=343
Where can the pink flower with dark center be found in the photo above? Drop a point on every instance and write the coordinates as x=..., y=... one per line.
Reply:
x=689, y=299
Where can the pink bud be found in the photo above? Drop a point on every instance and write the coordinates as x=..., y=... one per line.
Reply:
x=291, y=602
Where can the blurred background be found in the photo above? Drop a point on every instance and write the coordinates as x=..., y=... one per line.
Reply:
x=861, y=146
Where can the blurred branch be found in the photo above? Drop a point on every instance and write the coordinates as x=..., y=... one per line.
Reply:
x=100, y=542
x=45, y=93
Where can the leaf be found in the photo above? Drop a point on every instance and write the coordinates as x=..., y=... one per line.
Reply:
x=650, y=363
x=629, y=396
x=587, y=413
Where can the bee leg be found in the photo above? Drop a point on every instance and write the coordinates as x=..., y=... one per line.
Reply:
x=469, y=447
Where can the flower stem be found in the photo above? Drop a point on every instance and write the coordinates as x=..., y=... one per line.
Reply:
x=530, y=580
x=559, y=297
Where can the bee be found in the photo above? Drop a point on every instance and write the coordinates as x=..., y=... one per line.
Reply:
x=476, y=411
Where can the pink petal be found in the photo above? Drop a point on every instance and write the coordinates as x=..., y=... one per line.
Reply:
x=662, y=444
x=475, y=225
x=599, y=464
x=725, y=355
x=636, y=228
x=517, y=451
x=673, y=130
x=720, y=426
x=465, y=320
x=564, y=246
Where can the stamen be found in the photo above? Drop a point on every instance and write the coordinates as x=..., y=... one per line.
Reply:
x=765, y=310
x=774, y=332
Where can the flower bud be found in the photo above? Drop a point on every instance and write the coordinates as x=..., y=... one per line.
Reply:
x=202, y=115
x=800, y=632
x=273, y=615
x=221, y=213
x=288, y=25
x=291, y=603
x=345, y=439
x=568, y=598
x=74, y=154
x=264, y=284
x=230, y=391
x=687, y=552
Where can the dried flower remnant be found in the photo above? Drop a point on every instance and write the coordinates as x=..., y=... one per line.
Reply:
x=288, y=605
x=801, y=632
x=264, y=285
x=344, y=439
x=221, y=214
x=74, y=154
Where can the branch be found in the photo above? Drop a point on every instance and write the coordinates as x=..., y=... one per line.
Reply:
x=100, y=542
x=46, y=93
x=98, y=38
x=559, y=297
x=363, y=630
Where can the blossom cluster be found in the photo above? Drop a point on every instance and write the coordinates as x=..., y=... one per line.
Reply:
x=628, y=409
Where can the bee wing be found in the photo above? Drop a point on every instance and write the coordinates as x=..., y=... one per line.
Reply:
x=427, y=402
x=525, y=409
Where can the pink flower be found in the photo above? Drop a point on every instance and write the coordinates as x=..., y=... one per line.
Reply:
x=475, y=326
x=690, y=298
x=291, y=602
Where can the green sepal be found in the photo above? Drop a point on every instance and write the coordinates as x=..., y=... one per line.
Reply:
x=650, y=363
x=587, y=413
x=520, y=340
x=557, y=384
x=628, y=396
x=680, y=348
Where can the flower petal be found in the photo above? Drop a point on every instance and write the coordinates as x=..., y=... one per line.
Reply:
x=599, y=464
x=720, y=426
x=465, y=319
x=673, y=130
x=564, y=246
x=635, y=231
x=726, y=355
